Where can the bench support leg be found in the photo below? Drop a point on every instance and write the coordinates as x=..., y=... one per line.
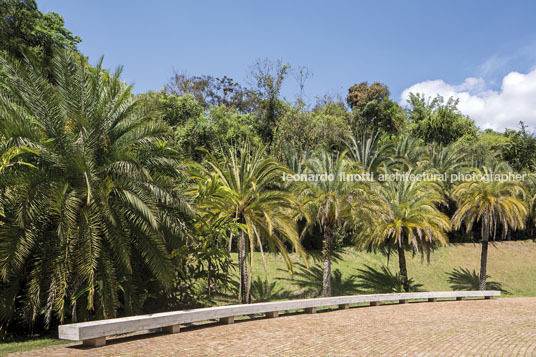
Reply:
x=488, y=297
x=272, y=314
x=374, y=303
x=344, y=306
x=432, y=299
x=310, y=310
x=403, y=301
x=95, y=342
x=171, y=329
x=460, y=298
x=227, y=320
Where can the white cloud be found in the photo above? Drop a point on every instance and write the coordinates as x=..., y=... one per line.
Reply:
x=505, y=108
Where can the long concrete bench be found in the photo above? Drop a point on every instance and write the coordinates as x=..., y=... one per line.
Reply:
x=94, y=333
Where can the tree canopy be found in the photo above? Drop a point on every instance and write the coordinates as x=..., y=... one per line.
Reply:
x=26, y=30
x=373, y=110
x=435, y=120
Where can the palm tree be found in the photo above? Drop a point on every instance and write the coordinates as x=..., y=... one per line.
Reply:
x=412, y=219
x=9, y=154
x=253, y=201
x=530, y=188
x=368, y=151
x=446, y=160
x=492, y=203
x=408, y=152
x=334, y=202
x=7, y=160
x=99, y=203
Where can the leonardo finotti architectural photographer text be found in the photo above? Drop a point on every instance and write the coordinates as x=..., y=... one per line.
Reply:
x=454, y=177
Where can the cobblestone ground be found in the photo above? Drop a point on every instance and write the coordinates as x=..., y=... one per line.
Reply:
x=503, y=327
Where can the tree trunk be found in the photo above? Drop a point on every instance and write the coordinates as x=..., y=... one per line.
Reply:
x=209, y=277
x=327, y=252
x=483, y=264
x=403, y=267
x=243, y=269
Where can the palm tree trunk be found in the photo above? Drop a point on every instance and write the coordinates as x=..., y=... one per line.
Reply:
x=485, y=233
x=243, y=269
x=209, y=277
x=327, y=251
x=483, y=264
x=403, y=267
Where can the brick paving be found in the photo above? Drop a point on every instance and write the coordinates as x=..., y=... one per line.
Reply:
x=502, y=327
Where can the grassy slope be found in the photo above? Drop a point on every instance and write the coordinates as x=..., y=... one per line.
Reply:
x=511, y=263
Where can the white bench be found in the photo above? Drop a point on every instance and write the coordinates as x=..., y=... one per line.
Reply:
x=94, y=333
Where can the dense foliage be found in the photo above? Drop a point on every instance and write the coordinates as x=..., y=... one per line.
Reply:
x=24, y=30
x=99, y=202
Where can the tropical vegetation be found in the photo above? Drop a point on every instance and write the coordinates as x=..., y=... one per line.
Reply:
x=114, y=203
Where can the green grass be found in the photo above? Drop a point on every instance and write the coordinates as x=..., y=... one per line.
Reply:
x=30, y=344
x=510, y=263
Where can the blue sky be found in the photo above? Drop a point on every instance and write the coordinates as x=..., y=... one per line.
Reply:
x=399, y=43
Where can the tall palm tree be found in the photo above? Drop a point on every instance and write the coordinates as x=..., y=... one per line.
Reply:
x=492, y=203
x=333, y=203
x=254, y=202
x=100, y=199
x=412, y=219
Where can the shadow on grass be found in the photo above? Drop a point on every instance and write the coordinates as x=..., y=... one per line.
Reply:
x=462, y=279
x=382, y=281
x=310, y=281
x=262, y=290
x=368, y=280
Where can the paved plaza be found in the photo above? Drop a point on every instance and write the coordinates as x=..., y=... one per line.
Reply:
x=502, y=327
